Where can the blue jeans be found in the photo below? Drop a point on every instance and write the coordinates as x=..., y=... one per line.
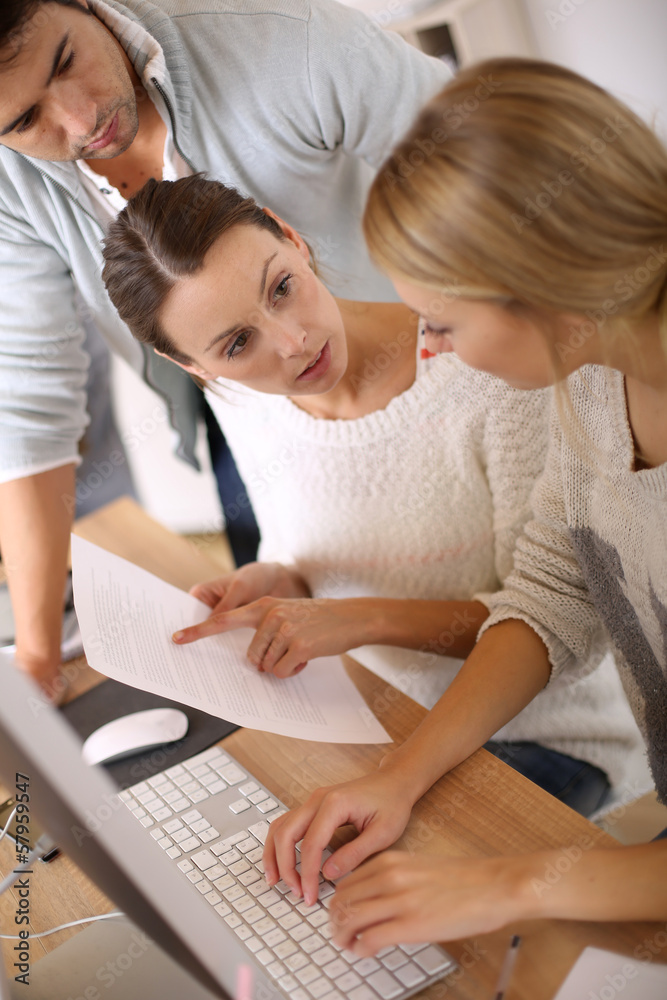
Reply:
x=580, y=785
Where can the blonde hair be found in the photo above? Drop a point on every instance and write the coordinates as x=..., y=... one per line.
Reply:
x=524, y=181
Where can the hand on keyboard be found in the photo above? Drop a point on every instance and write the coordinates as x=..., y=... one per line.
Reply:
x=397, y=897
x=377, y=805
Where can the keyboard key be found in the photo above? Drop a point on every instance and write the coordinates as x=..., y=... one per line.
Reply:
x=385, y=984
x=410, y=975
x=325, y=889
x=223, y=909
x=410, y=949
x=248, y=788
x=335, y=969
x=242, y=904
x=157, y=834
x=394, y=959
x=285, y=949
x=261, y=887
x=191, y=844
x=217, y=871
x=239, y=867
x=204, y=886
x=287, y=983
x=323, y=955
x=200, y=770
x=255, y=855
x=204, y=860
x=247, y=878
x=161, y=814
x=124, y=796
x=276, y=969
x=243, y=932
x=363, y=992
x=318, y=919
x=161, y=779
x=235, y=839
x=273, y=938
x=296, y=961
x=264, y=956
x=249, y=844
x=210, y=778
x=313, y=943
x=179, y=805
x=267, y=899
x=366, y=966
x=208, y=835
x=173, y=796
x=233, y=920
x=231, y=773
x=265, y=926
x=182, y=779
x=282, y=887
x=239, y=806
x=432, y=960
x=259, y=830
x=234, y=893
x=139, y=812
x=299, y=994
x=254, y=944
x=308, y=974
x=146, y=821
x=279, y=909
x=206, y=756
x=181, y=835
x=252, y=916
x=198, y=796
x=212, y=897
x=189, y=786
x=192, y=816
x=173, y=853
x=194, y=876
x=217, y=786
x=319, y=987
x=146, y=796
x=257, y=796
x=230, y=857
x=300, y=932
x=290, y=920
x=172, y=826
x=185, y=865
x=165, y=842
x=267, y=805
x=224, y=882
x=176, y=771
x=199, y=825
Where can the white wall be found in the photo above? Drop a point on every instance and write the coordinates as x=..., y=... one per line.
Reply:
x=619, y=44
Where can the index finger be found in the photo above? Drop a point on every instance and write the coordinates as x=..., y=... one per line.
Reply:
x=225, y=621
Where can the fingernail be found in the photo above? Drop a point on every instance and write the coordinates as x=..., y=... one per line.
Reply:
x=177, y=636
x=331, y=870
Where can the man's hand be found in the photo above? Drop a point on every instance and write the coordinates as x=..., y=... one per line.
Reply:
x=377, y=805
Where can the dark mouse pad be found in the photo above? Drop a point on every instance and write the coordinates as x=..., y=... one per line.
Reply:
x=110, y=700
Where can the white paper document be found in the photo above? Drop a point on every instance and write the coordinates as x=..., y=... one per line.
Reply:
x=127, y=617
x=604, y=975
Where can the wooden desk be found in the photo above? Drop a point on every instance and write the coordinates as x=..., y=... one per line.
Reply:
x=483, y=808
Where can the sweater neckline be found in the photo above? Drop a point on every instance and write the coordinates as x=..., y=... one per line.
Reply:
x=652, y=481
x=401, y=411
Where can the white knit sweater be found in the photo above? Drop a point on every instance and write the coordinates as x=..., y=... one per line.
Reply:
x=596, y=552
x=424, y=499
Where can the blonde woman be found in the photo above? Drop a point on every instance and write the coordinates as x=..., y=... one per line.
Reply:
x=532, y=238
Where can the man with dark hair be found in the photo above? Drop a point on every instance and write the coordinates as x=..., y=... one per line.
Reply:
x=292, y=101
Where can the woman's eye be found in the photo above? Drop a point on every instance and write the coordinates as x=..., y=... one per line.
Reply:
x=437, y=331
x=64, y=66
x=238, y=345
x=26, y=123
x=283, y=289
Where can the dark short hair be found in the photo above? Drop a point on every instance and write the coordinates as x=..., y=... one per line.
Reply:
x=15, y=19
x=163, y=234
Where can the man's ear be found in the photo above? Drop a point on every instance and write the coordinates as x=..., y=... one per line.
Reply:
x=290, y=234
x=191, y=369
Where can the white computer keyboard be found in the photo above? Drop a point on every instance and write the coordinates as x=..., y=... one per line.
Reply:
x=211, y=817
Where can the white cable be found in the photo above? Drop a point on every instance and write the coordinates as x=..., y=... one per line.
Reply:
x=62, y=927
x=6, y=826
x=16, y=873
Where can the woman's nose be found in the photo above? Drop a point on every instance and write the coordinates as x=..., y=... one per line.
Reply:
x=291, y=341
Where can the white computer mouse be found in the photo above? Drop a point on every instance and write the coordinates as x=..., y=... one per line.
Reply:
x=134, y=733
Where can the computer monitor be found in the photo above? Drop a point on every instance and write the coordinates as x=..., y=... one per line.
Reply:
x=79, y=807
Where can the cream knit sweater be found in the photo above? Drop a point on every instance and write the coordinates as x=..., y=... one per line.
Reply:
x=596, y=553
x=424, y=499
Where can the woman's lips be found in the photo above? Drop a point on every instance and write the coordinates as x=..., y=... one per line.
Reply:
x=318, y=367
x=108, y=136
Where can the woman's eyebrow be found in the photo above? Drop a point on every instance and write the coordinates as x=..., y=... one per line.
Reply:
x=233, y=329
